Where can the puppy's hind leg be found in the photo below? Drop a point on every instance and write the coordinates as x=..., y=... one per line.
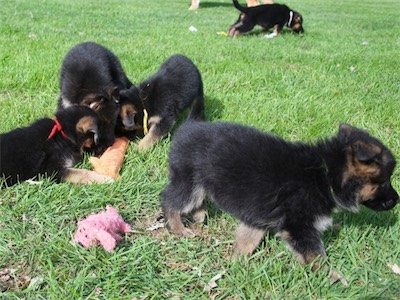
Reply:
x=248, y=238
x=180, y=198
x=241, y=27
x=197, y=199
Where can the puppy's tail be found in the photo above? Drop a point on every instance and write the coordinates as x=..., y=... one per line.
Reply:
x=239, y=7
x=197, y=109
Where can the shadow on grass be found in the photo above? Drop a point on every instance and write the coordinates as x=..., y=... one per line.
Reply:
x=206, y=4
x=213, y=111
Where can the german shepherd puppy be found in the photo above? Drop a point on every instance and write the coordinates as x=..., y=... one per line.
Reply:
x=91, y=75
x=51, y=147
x=266, y=16
x=162, y=97
x=267, y=182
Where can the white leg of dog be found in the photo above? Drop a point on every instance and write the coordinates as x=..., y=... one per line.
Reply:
x=195, y=5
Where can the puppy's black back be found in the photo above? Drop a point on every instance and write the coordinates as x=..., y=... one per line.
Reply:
x=234, y=163
x=176, y=85
x=90, y=68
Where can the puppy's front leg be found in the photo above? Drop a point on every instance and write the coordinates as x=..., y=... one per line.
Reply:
x=82, y=176
x=159, y=127
x=310, y=250
x=276, y=32
x=247, y=239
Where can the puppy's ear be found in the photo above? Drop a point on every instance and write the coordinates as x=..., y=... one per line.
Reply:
x=88, y=128
x=128, y=113
x=145, y=90
x=365, y=153
x=345, y=132
x=113, y=93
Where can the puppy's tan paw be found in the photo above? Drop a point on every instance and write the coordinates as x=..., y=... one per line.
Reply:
x=145, y=144
x=185, y=232
x=199, y=216
x=335, y=277
x=103, y=179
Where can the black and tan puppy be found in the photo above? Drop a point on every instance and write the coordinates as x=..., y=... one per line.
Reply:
x=51, y=147
x=175, y=86
x=91, y=75
x=267, y=182
x=266, y=16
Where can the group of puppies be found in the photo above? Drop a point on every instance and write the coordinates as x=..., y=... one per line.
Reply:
x=262, y=180
x=97, y=102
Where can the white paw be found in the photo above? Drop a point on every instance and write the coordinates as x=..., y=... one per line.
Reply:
x=270, y=36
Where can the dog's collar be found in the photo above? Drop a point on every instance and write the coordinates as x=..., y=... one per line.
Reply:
x=290, y=18
x=56, y=128
x=145, y=116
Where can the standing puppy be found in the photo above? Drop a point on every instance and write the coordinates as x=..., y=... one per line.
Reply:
x=51, y=147
x=267, y=182
x=91, y=75
x=175, y=86
x=266, y=16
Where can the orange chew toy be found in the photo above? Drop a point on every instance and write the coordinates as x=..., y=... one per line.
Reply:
x=110, y=162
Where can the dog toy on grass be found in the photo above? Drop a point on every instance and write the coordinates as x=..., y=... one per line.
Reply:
x=102, y=228
x=110, y=162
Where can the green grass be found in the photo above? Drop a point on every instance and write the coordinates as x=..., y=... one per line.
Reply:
x=344, y=69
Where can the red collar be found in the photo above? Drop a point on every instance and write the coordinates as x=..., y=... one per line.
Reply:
x=56, y=127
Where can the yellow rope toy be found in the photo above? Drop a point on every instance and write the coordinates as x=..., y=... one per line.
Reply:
x=145, y=119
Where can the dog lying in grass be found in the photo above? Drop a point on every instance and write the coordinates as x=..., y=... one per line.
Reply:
x=195, y=3
x=266, y=16
x=176, y=86
x=51, y=147
x=269, y=183
x=91, y=75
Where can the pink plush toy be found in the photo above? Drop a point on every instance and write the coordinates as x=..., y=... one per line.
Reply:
x=101, y=228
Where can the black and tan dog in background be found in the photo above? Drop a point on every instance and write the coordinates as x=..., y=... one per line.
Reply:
x=269, y=183
x=176, y=86
x=267, y=16
x=51, y=147
x=91, y=75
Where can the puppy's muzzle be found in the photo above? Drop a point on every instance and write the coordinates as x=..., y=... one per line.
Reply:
x=386, y=199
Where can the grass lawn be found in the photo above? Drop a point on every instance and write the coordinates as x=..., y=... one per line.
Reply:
x=344, y=69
